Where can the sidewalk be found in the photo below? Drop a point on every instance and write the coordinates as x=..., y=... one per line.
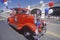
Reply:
x=53, y=21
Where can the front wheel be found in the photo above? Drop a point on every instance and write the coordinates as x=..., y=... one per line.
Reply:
x=43, y=31
x=27, y=33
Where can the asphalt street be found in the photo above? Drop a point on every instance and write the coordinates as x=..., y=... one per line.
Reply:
x=7, y=33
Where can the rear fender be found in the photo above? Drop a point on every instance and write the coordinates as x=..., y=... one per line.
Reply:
x=11, y=20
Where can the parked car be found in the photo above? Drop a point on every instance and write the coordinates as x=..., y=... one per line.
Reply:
x=25, y=23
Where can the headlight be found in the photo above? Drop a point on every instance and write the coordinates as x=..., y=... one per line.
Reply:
x=44, y=23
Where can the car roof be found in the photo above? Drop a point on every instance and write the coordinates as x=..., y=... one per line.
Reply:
x=25, y=9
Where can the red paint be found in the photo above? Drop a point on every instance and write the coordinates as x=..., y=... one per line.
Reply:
x=51, y=4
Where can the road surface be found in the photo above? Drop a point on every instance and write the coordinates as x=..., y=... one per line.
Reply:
x=7, y=33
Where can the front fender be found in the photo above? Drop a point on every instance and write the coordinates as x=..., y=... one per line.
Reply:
x=31, y=26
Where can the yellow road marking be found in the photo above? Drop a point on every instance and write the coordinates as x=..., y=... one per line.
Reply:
x=54, y=34
x=1, y=18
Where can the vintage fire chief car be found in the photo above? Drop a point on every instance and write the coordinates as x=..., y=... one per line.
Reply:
x=24, y=22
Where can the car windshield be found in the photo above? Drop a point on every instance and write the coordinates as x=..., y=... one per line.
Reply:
x=22, y=11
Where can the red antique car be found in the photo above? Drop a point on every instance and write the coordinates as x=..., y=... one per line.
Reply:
x=24, y=22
